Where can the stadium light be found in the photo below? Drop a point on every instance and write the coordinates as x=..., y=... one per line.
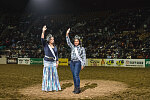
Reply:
x=39, y=5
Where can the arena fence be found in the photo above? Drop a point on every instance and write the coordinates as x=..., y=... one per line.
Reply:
x=142, y=63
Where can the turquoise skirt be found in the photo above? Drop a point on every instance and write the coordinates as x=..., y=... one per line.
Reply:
x=50, y=79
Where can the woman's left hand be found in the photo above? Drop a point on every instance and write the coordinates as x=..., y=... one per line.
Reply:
x=82, y=67
x=56, y=65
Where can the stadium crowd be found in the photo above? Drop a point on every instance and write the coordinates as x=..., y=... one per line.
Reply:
x=119, y=34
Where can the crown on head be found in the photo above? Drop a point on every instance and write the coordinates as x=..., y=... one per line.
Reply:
x=77, y=37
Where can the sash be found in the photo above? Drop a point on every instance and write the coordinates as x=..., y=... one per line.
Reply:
x=76, y=51
x=52, y=52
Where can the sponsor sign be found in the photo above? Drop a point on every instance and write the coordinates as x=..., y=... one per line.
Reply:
x=147, y=62
x=63, y=61
x=119, y=62
x=110, y=62
x=135, y=62
x=36, y=61
x=24, y=61
x=94, y=62
x=11, y=60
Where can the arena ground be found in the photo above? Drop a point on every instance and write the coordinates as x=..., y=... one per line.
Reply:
x=108, y=83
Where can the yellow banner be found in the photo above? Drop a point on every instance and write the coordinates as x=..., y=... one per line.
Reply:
x=63, y=61
x=96, y=62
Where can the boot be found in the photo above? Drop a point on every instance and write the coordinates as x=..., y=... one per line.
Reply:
x=74, y=90
x=77, y=91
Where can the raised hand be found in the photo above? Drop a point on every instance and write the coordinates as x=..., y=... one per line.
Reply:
x=67, y=32
x=43, y=31
x=44, y=28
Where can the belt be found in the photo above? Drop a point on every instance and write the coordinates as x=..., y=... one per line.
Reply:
x=75, y=60
x=52, y=58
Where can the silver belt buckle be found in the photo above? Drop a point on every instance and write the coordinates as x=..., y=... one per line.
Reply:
x=49, y=57
x=75, y=60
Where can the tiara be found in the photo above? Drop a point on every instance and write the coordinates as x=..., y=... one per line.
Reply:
x=49, y=35
x=77, y=37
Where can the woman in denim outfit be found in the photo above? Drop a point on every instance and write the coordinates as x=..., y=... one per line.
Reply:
x=78, y=60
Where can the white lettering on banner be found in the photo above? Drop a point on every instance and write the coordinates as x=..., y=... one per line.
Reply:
x=147, y=62
x=36, y=61
x=11, y=60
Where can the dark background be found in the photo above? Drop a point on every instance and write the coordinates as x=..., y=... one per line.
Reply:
x=65, y=6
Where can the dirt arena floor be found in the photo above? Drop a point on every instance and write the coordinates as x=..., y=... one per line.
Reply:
x=89, y=90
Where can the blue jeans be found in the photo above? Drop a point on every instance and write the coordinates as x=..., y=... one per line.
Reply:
x=75, y=67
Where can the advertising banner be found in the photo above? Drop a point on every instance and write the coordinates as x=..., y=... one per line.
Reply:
x=11, y=60
x=24, y=61
x=110, y=62
x=135, y=63
x=36, y=61
x=94, y=62
x=63, y=61
x=147, y=62
x=119, y=62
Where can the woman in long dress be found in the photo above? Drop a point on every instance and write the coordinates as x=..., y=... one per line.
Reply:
x=50, y=81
